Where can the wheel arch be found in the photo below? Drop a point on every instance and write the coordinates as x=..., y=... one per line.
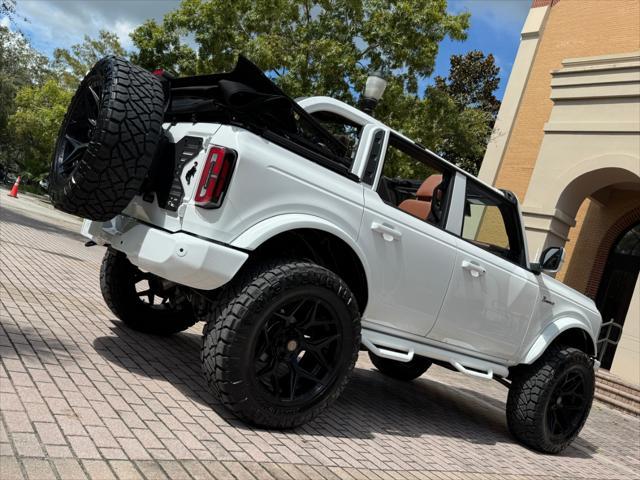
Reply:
x=567, y=331
x=315, y=238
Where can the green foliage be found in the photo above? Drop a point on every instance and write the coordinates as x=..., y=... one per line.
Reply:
x=472, y=80
x=20, y=65
x=464, y=109
x=74, y=63
x=160, y=47
x=35, y=123
x=8, y=8
x=328, y=47
x=310, y=47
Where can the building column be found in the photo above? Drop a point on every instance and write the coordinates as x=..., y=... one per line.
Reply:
x=545, y=228
x=530, y=37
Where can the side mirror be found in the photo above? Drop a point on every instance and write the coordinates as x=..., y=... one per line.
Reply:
x=550, y=260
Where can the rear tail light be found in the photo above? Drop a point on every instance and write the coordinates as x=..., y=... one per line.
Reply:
x=215, y=177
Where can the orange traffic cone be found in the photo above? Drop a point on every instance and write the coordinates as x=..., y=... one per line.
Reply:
x=14, y=191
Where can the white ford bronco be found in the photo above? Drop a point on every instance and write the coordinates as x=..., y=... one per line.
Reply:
x=284, y=226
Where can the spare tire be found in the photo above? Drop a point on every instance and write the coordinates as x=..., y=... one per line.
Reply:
x=107, y=140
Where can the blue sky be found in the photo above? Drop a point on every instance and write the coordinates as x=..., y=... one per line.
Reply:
x=495, y=25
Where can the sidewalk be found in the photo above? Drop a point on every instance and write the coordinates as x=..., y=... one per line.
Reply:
x=83, y=397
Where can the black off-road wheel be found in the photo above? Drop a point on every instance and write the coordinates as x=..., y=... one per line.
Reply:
x=280, y=345
x=549, y=401
x=141, y=300
x=107, y=140
x=401, y=370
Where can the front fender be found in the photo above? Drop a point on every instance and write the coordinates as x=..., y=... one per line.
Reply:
x=259, y=233
x=551, y=332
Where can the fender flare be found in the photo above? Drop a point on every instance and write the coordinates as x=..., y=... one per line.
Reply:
x=259, y=233
x=551, y=332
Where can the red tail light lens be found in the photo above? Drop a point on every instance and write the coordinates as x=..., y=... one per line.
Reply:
x=215, y=177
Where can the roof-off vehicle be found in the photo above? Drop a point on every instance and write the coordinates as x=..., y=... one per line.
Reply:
x=283, y=225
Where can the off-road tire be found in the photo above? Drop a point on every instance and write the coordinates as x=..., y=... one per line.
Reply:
x=230, y=335
x=530, y=393
x=405, y=371
x=119, y=293
x=120, y=147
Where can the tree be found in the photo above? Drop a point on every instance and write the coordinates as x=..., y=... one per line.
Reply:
x=8, y=8
x=464, y=108
x=20, y=66
x=74, y=63
x=308, y=46
x=328, y=48
x=472, y=80
x=35, y=123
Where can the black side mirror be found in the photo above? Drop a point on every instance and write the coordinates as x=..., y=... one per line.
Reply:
x=550, y=260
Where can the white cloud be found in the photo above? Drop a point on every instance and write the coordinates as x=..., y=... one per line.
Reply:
x=61, y=23
x=5, y=22
x=123, y=28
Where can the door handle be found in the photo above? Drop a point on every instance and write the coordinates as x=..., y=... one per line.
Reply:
x=473, y=268
x=388, y=233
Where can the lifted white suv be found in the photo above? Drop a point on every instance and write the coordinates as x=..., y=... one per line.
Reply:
x=283, y=224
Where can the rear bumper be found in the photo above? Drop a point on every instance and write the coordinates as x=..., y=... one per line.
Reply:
x=177, y=257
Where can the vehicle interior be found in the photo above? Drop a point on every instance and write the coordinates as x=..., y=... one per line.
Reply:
x=425, y=194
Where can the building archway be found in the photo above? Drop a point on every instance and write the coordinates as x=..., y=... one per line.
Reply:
x=551, y=206
x=623, y=224
x=617, y=286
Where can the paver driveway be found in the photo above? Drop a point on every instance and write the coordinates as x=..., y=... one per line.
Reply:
x=82, y=396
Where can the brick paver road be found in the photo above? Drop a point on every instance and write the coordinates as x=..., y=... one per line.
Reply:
x=82, y=396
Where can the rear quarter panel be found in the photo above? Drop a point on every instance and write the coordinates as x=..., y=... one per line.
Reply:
x=269, y=181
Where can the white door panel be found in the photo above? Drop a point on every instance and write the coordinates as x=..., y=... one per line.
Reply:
x=489, y=303
x=411, y=265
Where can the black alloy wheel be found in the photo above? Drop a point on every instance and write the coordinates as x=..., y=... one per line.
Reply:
x=568, y=404
x=157, y=294
x=281, y=342
x=298, y=349
x=143, y=301
x=82, y=120
x=549, y=401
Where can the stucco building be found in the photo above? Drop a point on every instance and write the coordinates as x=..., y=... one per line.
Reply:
x=567, y=143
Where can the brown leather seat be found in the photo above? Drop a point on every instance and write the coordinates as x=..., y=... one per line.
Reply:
x=421, y=206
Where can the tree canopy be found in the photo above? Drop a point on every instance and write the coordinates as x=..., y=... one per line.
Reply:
x=20, y=66
x=73, y=64
x=308, y=47
x=328, y=47
x=7, y=7
x=472, y=79
x=35, y=124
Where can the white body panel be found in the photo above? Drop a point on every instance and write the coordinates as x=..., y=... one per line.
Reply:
x=423, y=296
x=487, y=309
x=413, y=266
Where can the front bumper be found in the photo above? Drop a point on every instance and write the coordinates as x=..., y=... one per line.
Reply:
x=178, y=257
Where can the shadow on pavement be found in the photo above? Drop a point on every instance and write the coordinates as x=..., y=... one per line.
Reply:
x=12, y=216
x=371, y=403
